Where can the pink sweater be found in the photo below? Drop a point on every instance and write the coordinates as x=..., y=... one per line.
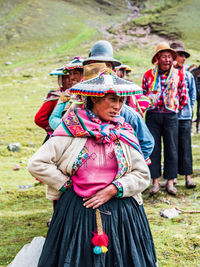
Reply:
x=91, y=177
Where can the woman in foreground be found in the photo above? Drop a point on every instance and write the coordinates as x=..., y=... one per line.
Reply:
x=95, y=162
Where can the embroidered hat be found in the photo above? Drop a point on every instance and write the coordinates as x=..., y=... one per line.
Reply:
x=106, y=82
x=76, y=63
x=102, y=51
x=58, y=71
x=163, y=47
x=124, y=67
x=178, y=46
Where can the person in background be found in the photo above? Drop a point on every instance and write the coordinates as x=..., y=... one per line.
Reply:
x=185, y=117
x=75, y=71
x=138, y=102
x=167, y=90
x=43, y=114
x=123, y=70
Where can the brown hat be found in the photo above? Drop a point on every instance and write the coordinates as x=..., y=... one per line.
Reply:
x=178, y=46
x=163, y=47
x=92, y=70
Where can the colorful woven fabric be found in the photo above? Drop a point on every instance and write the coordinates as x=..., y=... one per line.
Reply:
x=119, y=187
x=76, y=63
x=53, y=95
x=66, y=185
x=82, y=158
x=84, y=123
x=106, y=82
x=167, y=92
x=121, y=160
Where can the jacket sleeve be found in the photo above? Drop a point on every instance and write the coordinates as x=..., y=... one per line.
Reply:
x=145, y=86
x=43, y=163
x=144, y=136
x=55, y=118
x=138, y=179
x=192, y=90
x=42, y=116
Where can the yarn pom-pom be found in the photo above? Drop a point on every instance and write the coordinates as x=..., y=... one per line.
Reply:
x=97, y=250
x=104, y=249
x=100, y=240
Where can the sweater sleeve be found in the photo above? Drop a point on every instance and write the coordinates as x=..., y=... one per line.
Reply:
x=192, y=90
x=55, y=118
x=145, y=85
x=43, y=163
x=43, y=114
x=138, y=179
x=144, y=136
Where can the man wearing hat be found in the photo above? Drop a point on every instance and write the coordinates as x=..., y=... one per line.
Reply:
x=185, y=117
x=166, y=88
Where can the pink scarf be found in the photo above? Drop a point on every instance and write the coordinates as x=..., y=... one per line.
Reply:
x=84, y=123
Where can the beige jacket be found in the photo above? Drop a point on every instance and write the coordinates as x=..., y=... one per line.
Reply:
x=52, y=164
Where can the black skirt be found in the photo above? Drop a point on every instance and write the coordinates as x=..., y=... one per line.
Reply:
x=68, y=241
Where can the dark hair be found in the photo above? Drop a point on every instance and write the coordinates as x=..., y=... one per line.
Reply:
x=89, y=103
x=80, y=70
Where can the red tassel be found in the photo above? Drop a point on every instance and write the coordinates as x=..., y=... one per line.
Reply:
x=100, y=240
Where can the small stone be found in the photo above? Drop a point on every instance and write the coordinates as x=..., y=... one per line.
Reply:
x=169, y=213
x=14, y=147
x=31, y=144
x=24, y=187
x=16, y=167
x=8, y=63
x=165, y=200
x=195, y=146
x=22, y=161
x=10, y=118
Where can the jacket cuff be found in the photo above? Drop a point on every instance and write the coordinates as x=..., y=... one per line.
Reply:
x=148, y=161
x=119, y=193
x=66, y=186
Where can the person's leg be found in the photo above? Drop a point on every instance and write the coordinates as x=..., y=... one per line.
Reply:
x=185, y=152
x=198, y=115
x=170, y=140
x=154, y=122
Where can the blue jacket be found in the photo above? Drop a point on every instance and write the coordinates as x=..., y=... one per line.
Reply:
x=131, y=116
x=186, y=112
x=56, y=115
x=144, y=136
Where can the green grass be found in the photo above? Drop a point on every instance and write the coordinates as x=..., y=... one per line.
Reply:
x=41, y=39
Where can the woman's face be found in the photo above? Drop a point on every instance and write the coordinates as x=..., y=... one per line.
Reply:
x=107, y=107
x=75, y=76
x=66, y=83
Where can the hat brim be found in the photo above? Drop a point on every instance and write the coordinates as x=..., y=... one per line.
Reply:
x=94, y=87
x=72, y=66
x=184, y=52
x=56, y=73
x=103, y=59
x=174, y=54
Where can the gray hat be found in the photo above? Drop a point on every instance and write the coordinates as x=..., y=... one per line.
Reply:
x=102, y=51
x=178, y=46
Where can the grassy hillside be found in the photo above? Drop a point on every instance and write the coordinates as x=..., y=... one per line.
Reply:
x=37, y=36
